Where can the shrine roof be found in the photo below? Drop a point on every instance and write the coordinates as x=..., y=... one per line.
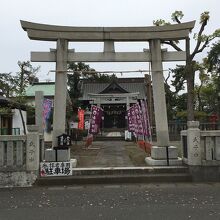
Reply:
x=98, y=88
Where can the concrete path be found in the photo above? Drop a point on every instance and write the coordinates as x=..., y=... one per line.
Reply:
x=113, y=154
x=103, y=154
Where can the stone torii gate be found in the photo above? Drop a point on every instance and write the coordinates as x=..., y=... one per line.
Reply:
x=154, y=35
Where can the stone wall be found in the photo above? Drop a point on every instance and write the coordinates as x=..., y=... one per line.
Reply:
x=17, y=179
x=19, y=159
x=201, y=152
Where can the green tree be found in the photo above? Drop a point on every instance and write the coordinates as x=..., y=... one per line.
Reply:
x=202, y=41
x=178, y=81
x=7, y=84
x=25, y=76
x=213, y=60
x=82, y=71
x=209, y=94
x=14, y=85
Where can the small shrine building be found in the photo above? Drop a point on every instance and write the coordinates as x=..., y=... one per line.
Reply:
x=114, y=98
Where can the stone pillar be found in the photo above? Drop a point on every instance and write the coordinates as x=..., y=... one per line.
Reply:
x=149, y=97
x=39, y=98
x=59, y=117
x=32, y=151
x=193, y=143
x=98, y=101
x=159, y=94
x=109, y=47
x=127, y=103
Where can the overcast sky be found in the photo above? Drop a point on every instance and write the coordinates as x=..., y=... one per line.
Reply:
x=15, y=45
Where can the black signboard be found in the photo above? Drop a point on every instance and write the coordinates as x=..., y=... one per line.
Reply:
x=64, y=140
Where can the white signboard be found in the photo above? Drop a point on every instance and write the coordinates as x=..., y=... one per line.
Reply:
x=87, y=124
x=73, y=124
x=127, y=135
x=55, y=169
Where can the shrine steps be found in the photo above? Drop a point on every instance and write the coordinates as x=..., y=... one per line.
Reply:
x=110, y=138
x=120, y=175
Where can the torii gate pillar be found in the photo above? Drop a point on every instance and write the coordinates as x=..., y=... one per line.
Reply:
x=59, y=116
x=159, y=94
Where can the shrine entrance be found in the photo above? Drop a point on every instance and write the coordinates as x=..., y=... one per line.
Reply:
x=114, y=116
x=114, y=100
x=155, y=35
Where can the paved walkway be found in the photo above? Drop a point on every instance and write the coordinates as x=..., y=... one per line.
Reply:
x=107, y=154
x=110, y=202
x=111, y=153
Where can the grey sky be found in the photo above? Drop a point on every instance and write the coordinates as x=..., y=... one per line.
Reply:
x=15, y=45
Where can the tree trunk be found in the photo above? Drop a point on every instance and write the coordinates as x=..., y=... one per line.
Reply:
x=21, y=89
x=190, y=93
x=23, y=123
x=189, y=73
x=200, y=107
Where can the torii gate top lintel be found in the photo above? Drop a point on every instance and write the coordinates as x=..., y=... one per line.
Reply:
x=37, y=31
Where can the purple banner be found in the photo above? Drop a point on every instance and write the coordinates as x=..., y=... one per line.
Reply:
x=134, y=119
x=138, y=113
x=146, y=121
x=47, y=111
x=47, y=106
x=95, y=120
x=130, y=122
x=138, y=119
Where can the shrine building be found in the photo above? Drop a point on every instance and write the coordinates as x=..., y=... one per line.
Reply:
x=114, y=98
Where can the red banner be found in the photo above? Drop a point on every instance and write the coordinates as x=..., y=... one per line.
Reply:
x=81, y=119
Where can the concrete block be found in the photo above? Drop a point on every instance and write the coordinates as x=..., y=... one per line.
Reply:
x=172, y=162
x=2, y=152
x=10, y=153
x=217, y=148
x=159, y=153
x=209, y=148
x=50, y=155
x=63, y=155
x=33, y=151
x=193, y=144
x=19, y=153
x=32, y=128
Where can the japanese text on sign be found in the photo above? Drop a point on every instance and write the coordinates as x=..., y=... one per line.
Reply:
x=55, y=169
